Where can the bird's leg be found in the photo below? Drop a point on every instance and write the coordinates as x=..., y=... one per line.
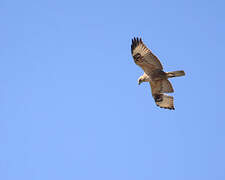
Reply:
x=143, y=78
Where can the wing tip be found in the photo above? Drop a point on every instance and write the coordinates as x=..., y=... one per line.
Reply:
x=135, y=42
x=170, y=108
x=160, y=98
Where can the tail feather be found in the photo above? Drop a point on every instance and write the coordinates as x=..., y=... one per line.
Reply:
x=175, y=74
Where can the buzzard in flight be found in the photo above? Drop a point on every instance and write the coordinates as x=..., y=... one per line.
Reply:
x=154, y=74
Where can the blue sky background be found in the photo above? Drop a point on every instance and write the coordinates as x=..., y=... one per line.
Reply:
x=70, y=106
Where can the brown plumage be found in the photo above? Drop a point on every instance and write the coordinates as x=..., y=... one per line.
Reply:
x=154, y=74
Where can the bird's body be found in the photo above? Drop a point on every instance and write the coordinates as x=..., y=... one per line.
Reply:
x=154, y=74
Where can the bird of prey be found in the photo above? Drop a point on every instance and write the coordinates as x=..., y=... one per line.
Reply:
x=154, y=74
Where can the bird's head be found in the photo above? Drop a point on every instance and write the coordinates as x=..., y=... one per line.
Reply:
x=140, y=80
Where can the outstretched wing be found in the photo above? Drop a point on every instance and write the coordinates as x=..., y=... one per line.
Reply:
x=158, y=89
x=161, y=86
x=166, y=102
x=149, y=61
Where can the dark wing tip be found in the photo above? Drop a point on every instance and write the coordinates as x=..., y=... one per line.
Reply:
x=170, y=108
x=135, y=43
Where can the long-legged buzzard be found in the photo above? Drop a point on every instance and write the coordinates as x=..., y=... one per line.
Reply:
x=154, y=74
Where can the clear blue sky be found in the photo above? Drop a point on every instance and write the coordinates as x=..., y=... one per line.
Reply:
x=70, y=106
